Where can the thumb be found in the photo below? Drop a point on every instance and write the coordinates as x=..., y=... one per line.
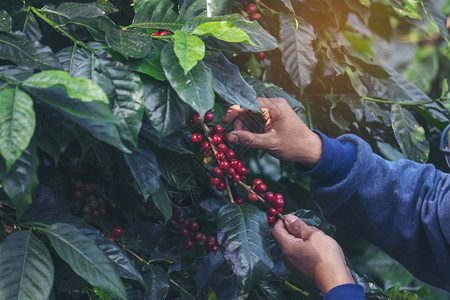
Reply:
x=298, y=228
x=250, y=139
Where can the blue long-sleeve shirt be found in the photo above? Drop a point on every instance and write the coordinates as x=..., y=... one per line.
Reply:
x=401, y=206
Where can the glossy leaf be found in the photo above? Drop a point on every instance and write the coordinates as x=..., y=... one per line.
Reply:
x=27, y=53
x=229, y=84
x=224, y=31
x=132, y=42
x=76, y=88
x=193, y=8
x=395, y=294
x=17, y=122
x=298, y=54
x=162, y=201
x=163, y=107
x=409, y=134
x=176, y=142
x=21, y=179
x=144, y=167
x=26, y=268
x=156, y=13
x=194, y=88
x=67, y=11
x=423, y=69
x=150, y=66
x=218, y=7
x=310, y=218
x=157, y=283
x=5, y=21
x=85, y=258
x=241, y=232
x=439, y=19
x=189, y=49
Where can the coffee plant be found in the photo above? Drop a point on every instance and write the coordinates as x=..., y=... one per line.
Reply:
x=117, y=180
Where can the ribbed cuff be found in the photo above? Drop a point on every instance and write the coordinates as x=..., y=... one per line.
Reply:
x=347, y=291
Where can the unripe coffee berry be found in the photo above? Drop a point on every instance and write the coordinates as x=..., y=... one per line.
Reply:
x=252, y=197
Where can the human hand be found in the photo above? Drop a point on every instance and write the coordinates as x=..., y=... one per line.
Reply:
x=311, y=254
x=285, y=136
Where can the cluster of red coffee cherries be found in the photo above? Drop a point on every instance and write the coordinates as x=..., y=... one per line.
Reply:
x=189, y=230
x=253, y=14
x=116, y=232
x=225, y=167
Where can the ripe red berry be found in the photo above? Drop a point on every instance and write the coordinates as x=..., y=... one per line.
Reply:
x=111, y=238
x=230, y=154
x=261, y=188
x=236, y=177
x=220, y=186
x=271, y=219
x=273, y=211
x=270, y=197
x=220, y=156
x=218, y=129
x=117, y=231
x=209, y=116
x=257, y=181
x=216, y=139
x=280, y=210
x=196, y=137
x=205, y=146
x=193, y=226
x=155, y=34
x=252, y=197
x=165, y=33
x=279, y=196
x=197, y=119
x=224, y=164
x=78, y=195
x=231, y=171
x=256, y=16
x=182, y=231
x=218, y=172
x=189, y=245
x=214, y=248
x=239, y=201
x=251, y=8
x=222, y=148
x=278, y=203
x=95, y=213
x=242, y=171
x=214, y=180
x=199, y=237
x=260, y=55
x=192, y=124
x=211, y=241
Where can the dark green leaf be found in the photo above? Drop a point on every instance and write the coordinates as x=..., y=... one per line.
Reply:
x=85, y=258
x=176, y=142
x=26, y=268
x=439, y=19
x=131, y=42
x=241, y=233
x=258, y=36
x=409, y=134
x=195, y=88
x=163, y=107
x=298, y=54
x=157, y=283
x=371, y=290
x=423, y=69
x=218, y=7
x=150, y=65
x=310, y=218
x=21, y=179
x=273, y=291
x=27, y=23
x=189, y=49
x=5, y=21
x=27, y=53
x=158, y=14
x=76, y=88
x=229, y=84
x=193, y=8
x=70, y=10
x=144, y=167
x=17, y=123
x=162, y=201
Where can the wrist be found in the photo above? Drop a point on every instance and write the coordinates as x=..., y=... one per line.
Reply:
x=327, y=282
x=311, y=150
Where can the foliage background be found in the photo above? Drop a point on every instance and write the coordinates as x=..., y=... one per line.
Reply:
x=88, y=93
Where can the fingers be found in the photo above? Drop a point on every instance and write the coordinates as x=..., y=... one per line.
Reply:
x=232, y=113
x=281, y=235
x=261, y=141
x=298, y=228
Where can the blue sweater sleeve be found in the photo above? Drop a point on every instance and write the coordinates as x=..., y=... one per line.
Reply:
x=401, y=206
x=349, y=291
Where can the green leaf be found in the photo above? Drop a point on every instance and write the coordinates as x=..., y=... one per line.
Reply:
x=163, y=107
x=157, y=283
x=19, y=49
x=5, y=21
x=395, y=294
x=310, y=218
x=229, y=84
x=298, y=54
x=150, y=65
x=85, y=258
x=158, y=14
x=409, y=134
x=223, y=30
x=194, y=88
x=189, y=49
x=144, y=167
x=423, y=69
x=435, y=16
x=193, y=8
x=26, y=268
x=21, y=179
x=241, y=232
x=162, y=201
x=17, y=123
x=260, y=39
x=218, y=7
x=76, y=88
x=68, y=11
x=130, y=42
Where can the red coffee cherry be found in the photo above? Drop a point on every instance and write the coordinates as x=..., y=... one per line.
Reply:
x=271, y=219
x=242, y=171
x=280, y=210
x=260, y=55
x=196, y=137
x=256, y=16
x=78, y=195
x=279, y=196
x=205, y=146
x=218, y=172
x=220, y=186
x=218, y=129
x=193, y=226
x=261, y=188
x=239, y=201
x=230, y=154
x=117, y=231
x=252, y=197
x=222, y=148
x=111, y=238
x=211, y=241
x=224, y=164
x=165, y=33
x=273, y=211
x=220, y=156
x=214, y=248
x=231, y=171
x=182, y=231
x=189, y=245
x=270, y=197
x=278, y=203
x=257, y=181
x=209, y=116
x=234, y=163
x=217, y=139
x=251, y=8
x=236, y=177
x=197, y=119
x=95, y=213
x=214, y=180
x=102, y=212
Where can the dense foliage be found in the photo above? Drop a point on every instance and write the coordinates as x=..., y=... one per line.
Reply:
x=104, y=195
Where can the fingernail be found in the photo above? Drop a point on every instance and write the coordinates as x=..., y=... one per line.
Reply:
x=290, y=218
x=232, y=137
